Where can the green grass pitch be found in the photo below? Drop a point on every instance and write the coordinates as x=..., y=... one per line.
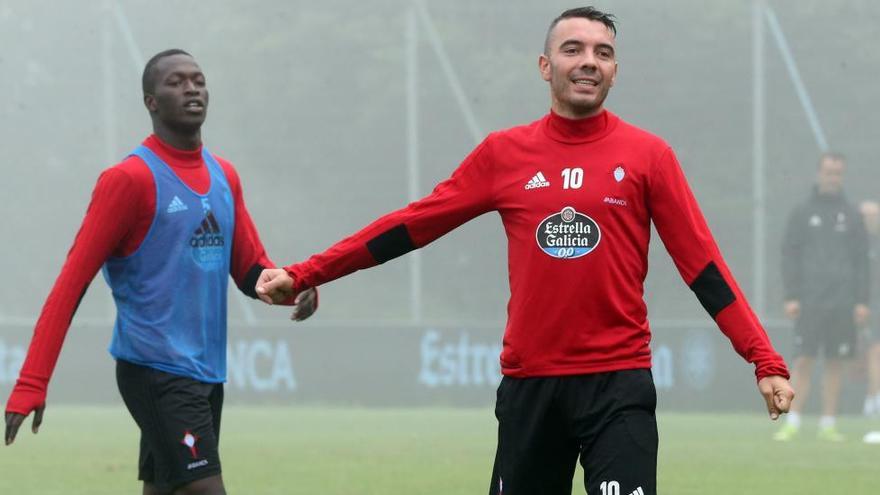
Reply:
x=344, y=451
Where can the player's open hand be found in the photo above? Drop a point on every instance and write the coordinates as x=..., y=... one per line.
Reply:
x=305, y=305
x=777, y=393
x=274, y=286
x=14, y=421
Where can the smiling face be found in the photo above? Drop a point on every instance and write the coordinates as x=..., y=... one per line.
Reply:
x=178, y=99
x=580, y=65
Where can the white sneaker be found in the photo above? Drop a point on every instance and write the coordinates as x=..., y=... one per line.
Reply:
x=872, y=437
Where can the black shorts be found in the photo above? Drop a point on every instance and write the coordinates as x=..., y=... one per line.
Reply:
x=179, y=420
x=831, y=332
x=606, y=419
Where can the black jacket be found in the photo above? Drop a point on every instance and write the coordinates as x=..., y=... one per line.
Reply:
x=825, y=254
x=874, y=257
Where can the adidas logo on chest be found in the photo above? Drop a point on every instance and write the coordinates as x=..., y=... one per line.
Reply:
x=537, y=181
x=176, y=205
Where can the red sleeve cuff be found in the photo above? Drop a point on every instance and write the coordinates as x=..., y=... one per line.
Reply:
x=300, y=278
x=28, y=394
x=772, y=369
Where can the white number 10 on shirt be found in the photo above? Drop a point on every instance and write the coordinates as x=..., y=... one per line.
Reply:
x=610, y=487
x=572, y=178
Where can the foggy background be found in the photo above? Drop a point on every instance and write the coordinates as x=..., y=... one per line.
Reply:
x=326, y=109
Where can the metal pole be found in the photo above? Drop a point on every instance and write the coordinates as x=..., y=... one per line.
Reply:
x=412, y=155
x=451, y=77
x=758, y=152
x=799, y=87
x=110, y=123
x=109, y=90
x=125, y=30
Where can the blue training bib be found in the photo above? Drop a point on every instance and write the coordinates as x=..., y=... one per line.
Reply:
x=170, y=294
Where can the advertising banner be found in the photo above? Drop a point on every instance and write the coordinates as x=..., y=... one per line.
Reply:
x=694, y=368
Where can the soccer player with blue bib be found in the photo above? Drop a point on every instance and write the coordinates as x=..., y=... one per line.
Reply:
x=577, y=191
x=169, y=225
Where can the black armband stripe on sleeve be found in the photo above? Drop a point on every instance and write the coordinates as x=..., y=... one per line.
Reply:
x=249, y=284
x=390, y=244
x=712, y=290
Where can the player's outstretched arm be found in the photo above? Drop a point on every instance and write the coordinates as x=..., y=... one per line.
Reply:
x=14, y=421
x=777, y=393
x=466, y=194
x=689, y=241
x=106, y=223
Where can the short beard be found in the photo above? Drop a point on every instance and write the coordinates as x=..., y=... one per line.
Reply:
x=583, y=109
x=586, y=109
x=577, y=108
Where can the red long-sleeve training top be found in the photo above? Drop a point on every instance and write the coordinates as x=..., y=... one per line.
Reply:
x=118, y=218
x=577, y=198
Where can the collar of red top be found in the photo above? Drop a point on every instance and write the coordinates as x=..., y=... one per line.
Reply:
x=585, y=130
x=173, y=156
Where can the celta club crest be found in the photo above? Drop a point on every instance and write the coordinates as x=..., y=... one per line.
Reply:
x=189, y=440
x=619, y=173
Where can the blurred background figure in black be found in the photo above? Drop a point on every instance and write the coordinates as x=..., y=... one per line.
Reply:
x=825, y=277
x=871, y=214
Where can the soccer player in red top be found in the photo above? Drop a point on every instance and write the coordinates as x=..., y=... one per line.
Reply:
x=576, y=191
x=169, y=225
